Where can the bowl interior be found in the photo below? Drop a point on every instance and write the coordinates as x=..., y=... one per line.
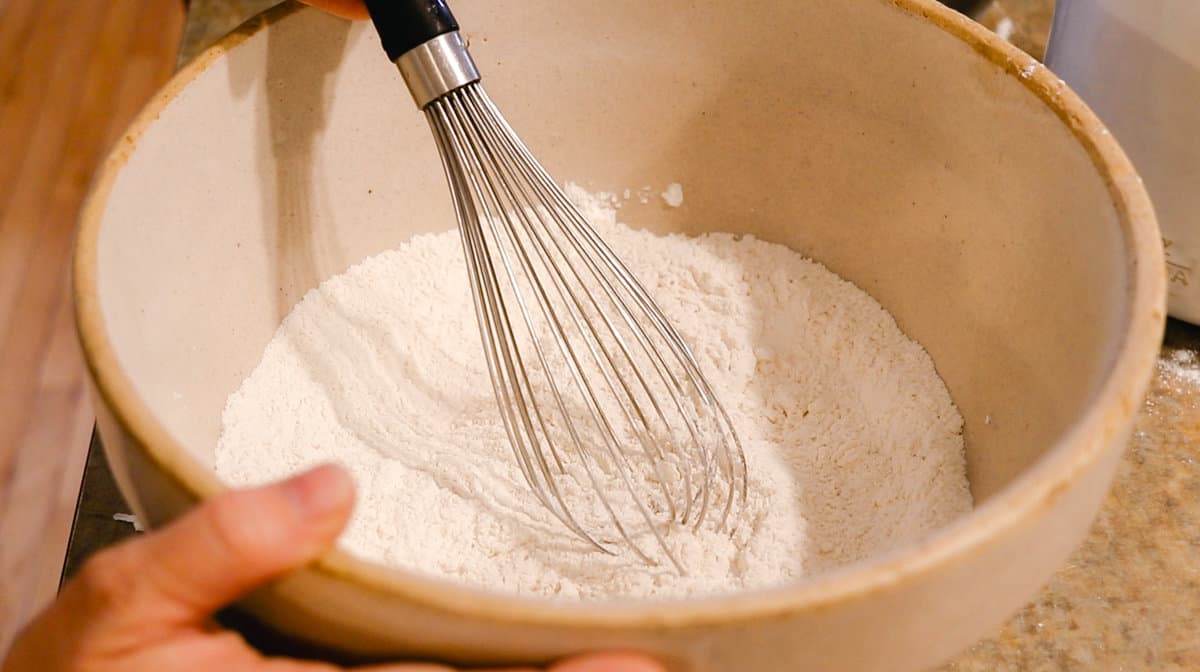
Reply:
x=852, y=132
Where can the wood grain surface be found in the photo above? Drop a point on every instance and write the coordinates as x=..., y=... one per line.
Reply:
x=73, y=73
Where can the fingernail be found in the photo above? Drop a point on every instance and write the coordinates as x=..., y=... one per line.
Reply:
x=321, y=491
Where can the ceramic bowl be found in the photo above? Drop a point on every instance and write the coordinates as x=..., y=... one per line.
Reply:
x=911, y=151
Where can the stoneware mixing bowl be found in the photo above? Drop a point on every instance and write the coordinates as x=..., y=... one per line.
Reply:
x=897, y=142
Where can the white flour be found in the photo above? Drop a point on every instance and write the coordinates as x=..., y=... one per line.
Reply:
x=852, y=441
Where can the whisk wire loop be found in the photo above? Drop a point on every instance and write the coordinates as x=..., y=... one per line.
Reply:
x=598, y=394
x=483, y=161
x=576, y=227
x=532, y=256
x=504, y=363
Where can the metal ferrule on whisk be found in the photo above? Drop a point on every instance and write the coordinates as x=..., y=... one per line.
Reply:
x=421, y=37
x=437, y=67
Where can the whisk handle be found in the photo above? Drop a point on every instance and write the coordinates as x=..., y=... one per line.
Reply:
x=404, y=25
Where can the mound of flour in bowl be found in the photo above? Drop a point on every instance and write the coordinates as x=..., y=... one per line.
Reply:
x=852, y=443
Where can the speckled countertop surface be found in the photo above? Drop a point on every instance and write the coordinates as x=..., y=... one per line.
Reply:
x=1129, y=598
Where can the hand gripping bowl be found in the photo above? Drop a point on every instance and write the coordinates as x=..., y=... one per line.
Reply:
x=897, y=142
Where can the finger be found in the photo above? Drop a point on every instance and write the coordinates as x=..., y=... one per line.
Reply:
x=604, y=662
x=425, y=667
x=407, y=667
x=228, y=546
x=609, y=662
x=349, y=9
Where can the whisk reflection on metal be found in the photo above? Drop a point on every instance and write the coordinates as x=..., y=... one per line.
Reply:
x=595, y=388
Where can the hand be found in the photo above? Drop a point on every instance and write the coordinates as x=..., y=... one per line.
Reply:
x=350, y=9
x=145, y=605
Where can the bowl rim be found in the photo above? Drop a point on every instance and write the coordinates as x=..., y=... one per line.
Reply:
x=1036, y=489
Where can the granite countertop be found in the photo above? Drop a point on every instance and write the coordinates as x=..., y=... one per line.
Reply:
x=1129, y=598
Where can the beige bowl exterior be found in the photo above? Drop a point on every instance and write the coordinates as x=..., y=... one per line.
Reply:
x=901, y=144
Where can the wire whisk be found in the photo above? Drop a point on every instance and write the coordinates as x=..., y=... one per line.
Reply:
x=612, y=423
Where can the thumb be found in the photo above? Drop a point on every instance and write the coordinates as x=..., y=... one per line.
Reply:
x=228, y=546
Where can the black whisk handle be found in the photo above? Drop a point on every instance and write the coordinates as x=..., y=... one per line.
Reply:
x=406, y=24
